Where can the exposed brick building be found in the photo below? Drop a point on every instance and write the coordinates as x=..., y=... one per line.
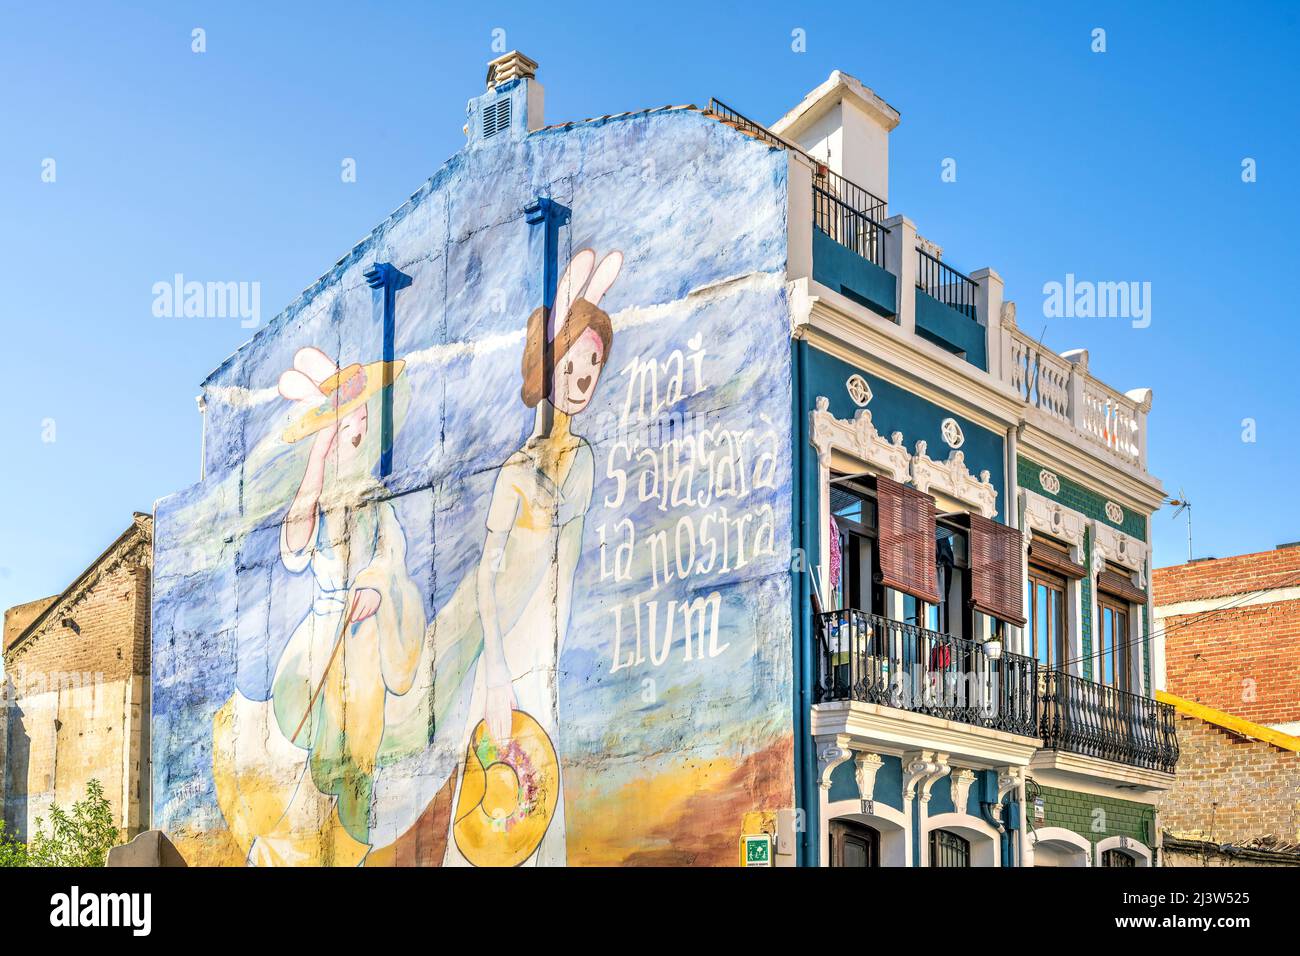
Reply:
x=76, y=702
x=1230, y=627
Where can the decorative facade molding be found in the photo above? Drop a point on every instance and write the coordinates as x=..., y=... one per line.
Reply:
x=860, y=439
x=1049, y=482
x=1111, y=544
x=1114, y=512
x=865, y=767
x=961, y=779
x=921, y=770
x=858, y=390
x=952, y=433
x=1009, y=779
x=831, y=752
x=954, y=479
x=1053, y=519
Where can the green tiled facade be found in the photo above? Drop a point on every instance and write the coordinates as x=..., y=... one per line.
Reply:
x=1095, y=818
x=1090, y=504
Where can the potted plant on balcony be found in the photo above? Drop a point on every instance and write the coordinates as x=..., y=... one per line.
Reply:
x=993, y=646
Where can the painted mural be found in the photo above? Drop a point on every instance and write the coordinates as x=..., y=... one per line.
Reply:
x=489, y=568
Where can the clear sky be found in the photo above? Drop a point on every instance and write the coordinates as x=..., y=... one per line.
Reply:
x=226, y=166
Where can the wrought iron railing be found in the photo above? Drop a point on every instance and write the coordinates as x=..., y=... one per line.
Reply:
x=941, y=281
x=1097, y=720
x=850, y=214
x=869, y=658
x=848, y=226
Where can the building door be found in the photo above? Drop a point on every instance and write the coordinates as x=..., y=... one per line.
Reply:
x=1117, y=858
x=948, y=849
x=854, y=844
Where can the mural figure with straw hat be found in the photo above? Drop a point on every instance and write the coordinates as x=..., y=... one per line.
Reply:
x=294, y=774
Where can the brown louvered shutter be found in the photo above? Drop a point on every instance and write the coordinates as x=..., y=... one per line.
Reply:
x=1053, y=557
x=1120, y=584
x=905, y=518
x=996, y=581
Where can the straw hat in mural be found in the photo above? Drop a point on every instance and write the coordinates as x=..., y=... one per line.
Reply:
x=335, y=392
x=508, y=796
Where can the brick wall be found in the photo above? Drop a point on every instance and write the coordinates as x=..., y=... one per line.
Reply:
x=1241, y=660
x=76, y=689
x=1229, y=789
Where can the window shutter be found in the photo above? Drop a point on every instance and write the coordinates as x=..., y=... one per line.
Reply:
x=905, y=518
x=1120, y=585
x=1054, y=558
x=997, y=585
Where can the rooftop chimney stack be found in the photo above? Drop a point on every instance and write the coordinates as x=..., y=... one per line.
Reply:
x=512, y=105
x=846, y=126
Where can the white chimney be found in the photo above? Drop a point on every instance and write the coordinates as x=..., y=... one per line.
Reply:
x=512, y=105
x=846, y=126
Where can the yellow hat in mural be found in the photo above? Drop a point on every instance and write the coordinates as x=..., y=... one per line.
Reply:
x=508, y=796
x=344, y=391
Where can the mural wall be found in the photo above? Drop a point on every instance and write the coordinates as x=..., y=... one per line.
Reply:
x=474, y=581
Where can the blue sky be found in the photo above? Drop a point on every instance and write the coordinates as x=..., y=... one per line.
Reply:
x=225, y=165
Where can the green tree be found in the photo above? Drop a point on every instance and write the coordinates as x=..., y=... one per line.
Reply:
x=12, y=853
x=80, y=838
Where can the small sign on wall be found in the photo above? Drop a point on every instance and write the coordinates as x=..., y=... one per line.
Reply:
x=1040, y=809
x=756, y=850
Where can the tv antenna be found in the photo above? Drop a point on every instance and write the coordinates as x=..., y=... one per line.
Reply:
x=1181, y=504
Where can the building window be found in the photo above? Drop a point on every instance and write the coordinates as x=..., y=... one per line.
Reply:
x=854, y=513
x=1113, y=651
x=1117, y=858
x=1046, y=628
x=854, y=844
x=948, y=849
x=1052, y=572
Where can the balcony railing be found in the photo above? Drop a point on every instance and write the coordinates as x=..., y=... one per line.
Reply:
x=869, y=658
x=1097, y=720
x=941, y=281
x=848, y=213
x=848, y=225
x=1062, y=388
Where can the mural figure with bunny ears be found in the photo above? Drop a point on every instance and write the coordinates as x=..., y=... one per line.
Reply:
x=509, y=806
x=483, y=714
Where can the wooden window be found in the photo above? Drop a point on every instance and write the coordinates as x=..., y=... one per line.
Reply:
x=1113, y=652
x=1046, y=629
x=1055, y=558
x=948, y=849
x=854, y=844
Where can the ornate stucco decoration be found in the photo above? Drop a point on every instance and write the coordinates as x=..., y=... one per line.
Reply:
x=858, y=390
x=1009, y=778
x=1051, y=484
x=952, y=433
x=954, y=479
x=831, y=752
x=1111, y=544
x=961, y=780
x=1114, y=512
x=921, y=770
x=1053, y=519
x=866, y=766
x=859, y=439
